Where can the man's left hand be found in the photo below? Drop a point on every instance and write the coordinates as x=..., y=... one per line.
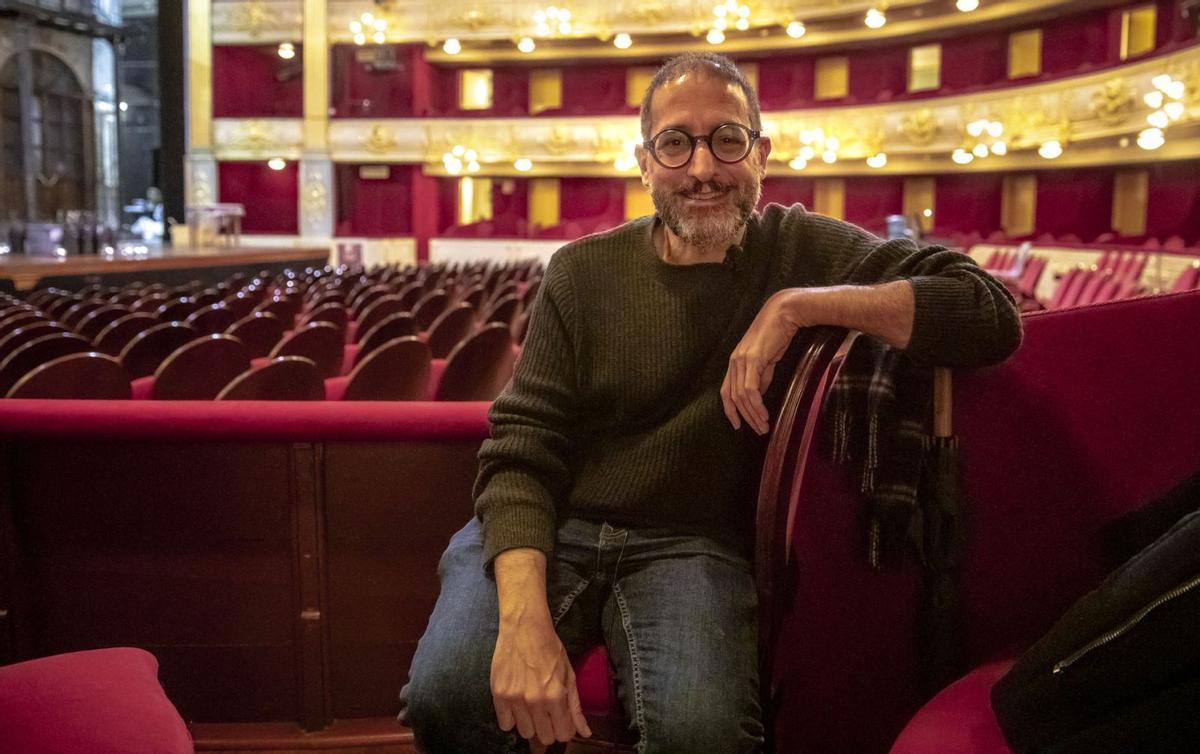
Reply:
x=752, y=364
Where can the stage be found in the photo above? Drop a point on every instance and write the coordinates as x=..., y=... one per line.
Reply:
x=140, y=262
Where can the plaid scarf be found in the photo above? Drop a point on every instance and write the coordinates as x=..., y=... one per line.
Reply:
x=881, y=403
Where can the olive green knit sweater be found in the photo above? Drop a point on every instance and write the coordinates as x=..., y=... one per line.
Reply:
x=614, y=414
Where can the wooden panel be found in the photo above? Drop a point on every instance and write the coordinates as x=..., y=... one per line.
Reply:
x=637, y=199
x=833, y=77
x=830, y=197
x=636, y=82
x=1025, y=53
x=1018, y=202
x=1138, y=27
x=1130, y=195
x=919, y=200
x=397, y=507
x=545, y=90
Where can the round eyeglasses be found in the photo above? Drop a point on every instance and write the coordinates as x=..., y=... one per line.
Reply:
x=728, y=143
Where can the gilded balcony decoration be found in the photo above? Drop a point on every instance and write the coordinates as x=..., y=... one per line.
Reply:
x=1113, y=102
x=265, y=138
x=256, y=21
x=1014, y=125
x=920, y=126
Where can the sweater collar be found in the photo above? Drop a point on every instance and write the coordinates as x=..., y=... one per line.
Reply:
x=733, y=255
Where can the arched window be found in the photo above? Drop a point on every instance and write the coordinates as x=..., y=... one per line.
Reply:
x=63, y=139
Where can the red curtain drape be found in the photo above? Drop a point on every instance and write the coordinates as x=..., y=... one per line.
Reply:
x=269, y=196
x=1075, y=200
x=787, y=190
x=252, y=81
x=374, y=207
x=1173, y=201
x=870, y=199
x=965, y=202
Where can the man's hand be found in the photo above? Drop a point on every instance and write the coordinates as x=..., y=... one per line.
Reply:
x=533, y=685
x=752, y=364
x=884, y=311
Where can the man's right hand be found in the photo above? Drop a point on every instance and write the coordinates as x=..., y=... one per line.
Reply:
x=533, y=685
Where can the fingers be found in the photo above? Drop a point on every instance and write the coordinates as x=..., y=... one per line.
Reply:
x=745, y=379
x=576, y=708
x=727, y=399
x=525, y=726
x=504, y=714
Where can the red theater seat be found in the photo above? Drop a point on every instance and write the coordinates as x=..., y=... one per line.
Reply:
x=286, y=378
x=959, y=719
x=101, y=701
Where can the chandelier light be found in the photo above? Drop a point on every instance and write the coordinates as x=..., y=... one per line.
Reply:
x=523, y=164
x=796, y=29
x=875, y=18
x=526, y=45
x=369, y=25
x=877, y=160
x=966, y=6
x=452, y=46
x=1051, y=150
x=622, y=41
x=962, y=156
x=287, y=50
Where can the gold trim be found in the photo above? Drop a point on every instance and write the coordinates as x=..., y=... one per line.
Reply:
x=199, y=83
x=543, y=202
x=316, y=75
x=1024, y=53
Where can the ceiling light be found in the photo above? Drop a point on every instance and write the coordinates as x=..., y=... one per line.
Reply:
x=622, y=41
x=524, y=164
x=526, y=45
x=962, y=156
x=287, y=50
x=1151, y=138
x=452, y=46
x=276, y=163
x=1050, y=149
x=877, y=160
x=966, y=6
x=123, y=106
x=1153, y=100
x=875, y=19
x=1174, y=110
x=715, y=36
x=796, y=29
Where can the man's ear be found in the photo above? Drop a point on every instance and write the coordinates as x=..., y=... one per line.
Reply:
x=643, y=160
x=763, y=148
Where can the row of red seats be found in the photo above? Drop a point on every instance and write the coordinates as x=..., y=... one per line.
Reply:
x=968, y=239
x=349, y=323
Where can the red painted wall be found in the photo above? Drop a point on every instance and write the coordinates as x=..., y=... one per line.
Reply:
x=363, y=85
x=787, y=190
x=254, y=82
x=1173, y=201
x=269, y=196
x=1074, y=200
x=870, y=199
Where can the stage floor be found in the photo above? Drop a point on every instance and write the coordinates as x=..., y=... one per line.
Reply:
x=25, y=270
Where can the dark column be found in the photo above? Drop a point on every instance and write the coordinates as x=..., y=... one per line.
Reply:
x=31, y=136
x=172, y=118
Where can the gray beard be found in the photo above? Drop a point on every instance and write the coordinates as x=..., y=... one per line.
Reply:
x=714, y=229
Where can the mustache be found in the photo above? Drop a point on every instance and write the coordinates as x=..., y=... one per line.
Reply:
x=699, y=187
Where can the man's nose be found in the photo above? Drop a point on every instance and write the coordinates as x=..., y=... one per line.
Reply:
x=703, y=164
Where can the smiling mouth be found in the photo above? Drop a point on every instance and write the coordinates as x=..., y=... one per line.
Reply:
x=705, y=196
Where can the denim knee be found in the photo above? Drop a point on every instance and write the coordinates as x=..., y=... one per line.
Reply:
x=450, y=716
x=701, y=729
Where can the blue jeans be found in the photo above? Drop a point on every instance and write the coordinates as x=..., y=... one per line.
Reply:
x=677, y=613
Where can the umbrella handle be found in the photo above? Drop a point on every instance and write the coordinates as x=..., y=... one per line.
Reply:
x=943, y=398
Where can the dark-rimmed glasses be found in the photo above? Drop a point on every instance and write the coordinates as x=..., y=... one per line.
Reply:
x=728, y=143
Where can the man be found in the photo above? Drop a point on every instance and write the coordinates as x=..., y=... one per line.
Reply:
x=615, y=498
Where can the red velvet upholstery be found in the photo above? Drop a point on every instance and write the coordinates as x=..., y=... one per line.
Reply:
x=959, y=719
x=102, y=701
x=1093, y=416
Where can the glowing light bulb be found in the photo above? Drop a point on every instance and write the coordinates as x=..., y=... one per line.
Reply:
x=1174, y=110
x=796, y=29
x=966, y=6
x=975, y=128
x=526, y=45
x=276, y=163
x=980, y=151
x=452, y=46
x=999, y=149
x=1176, y=90
x=962, y=156
x=927, y=212
x=622, y=41
x=995, y=129
x=459, y=150
x=524, y=164
x=877, y=160
x=1158, y=119
x=875, y=19
x=715, y=36
x=742, y=24
x=1151, y=138
x=1050, y=149
x=829, y=156
x=287, y=50
x=379, y=38
x=1161, y=81
x=1153, y=100
x=798, y=163
x=360, y=39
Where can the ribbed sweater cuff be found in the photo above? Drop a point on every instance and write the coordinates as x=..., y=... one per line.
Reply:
x=939, y=317
x=512, y=526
